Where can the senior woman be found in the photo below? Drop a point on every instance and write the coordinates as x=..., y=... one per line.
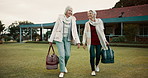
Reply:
x=95, y=38
x=63, y=33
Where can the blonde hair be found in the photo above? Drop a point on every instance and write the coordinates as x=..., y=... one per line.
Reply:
x=68, y=8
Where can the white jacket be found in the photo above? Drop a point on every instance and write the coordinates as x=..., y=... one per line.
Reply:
x=57, y=32
x=100, y=33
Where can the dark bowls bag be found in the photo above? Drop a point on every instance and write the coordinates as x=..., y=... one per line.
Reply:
x=52, y=59
x=107, y=56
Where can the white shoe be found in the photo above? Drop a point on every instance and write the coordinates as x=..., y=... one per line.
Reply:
x=66, y=71
x=61, y=75
x=93, y=73
x=97, y=69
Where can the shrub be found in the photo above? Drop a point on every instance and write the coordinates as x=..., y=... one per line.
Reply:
x=43, y=42
x=8, y=38
x=118, y=39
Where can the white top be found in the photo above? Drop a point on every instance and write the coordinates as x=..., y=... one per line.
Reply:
x=67, y=24
x=99, y=30
x=57, y=32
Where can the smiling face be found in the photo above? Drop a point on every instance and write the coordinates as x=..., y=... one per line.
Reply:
x=90, y=15
x=68, y=13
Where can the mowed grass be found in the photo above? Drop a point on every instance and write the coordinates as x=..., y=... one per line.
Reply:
x=28, y=61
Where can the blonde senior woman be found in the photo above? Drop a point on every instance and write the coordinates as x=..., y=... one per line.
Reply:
x=63, y=33
x=95, y=38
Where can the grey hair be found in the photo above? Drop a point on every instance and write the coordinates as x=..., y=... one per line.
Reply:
x=94, y=12
x=68, y=8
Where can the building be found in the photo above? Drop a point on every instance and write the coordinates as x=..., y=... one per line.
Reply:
x=114, y=20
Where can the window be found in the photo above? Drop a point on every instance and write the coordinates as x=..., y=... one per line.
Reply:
x=143, y=30
x=108, y=30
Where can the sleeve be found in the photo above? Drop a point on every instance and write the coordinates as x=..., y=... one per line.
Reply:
x=102, y=29
x=54, y=29
x=104, y=35
x=77, y=37
x=101, y=24
x=84, y=35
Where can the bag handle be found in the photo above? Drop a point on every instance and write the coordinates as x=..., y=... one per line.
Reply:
x=108, y=47
x=112, y=55
x=52, y=49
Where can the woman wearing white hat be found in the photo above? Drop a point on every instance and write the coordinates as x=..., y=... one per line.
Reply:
x=63, y=33
x=95, y=38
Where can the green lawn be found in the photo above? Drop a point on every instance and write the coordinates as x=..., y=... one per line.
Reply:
x=27, y=60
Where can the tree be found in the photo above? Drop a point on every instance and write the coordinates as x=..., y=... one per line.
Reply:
x=2, y=27
x=14, y=30
x=26, y=31
x=126, y=3
x=1, y=30
x=47, y=35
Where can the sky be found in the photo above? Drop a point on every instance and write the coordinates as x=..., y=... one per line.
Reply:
x=46, y=11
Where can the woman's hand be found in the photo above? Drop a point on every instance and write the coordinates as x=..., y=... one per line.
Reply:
x=78, y=45
x=50, y=43
x=107, y=43
x=84, y=46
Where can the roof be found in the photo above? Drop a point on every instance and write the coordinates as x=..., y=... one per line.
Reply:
x=131, y=14
x=45, y=25
x=117, y=20
x=140, y=10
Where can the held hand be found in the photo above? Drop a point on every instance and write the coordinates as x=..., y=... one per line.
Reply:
x=84, y=46
x=78, y=45
x=50, y=43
